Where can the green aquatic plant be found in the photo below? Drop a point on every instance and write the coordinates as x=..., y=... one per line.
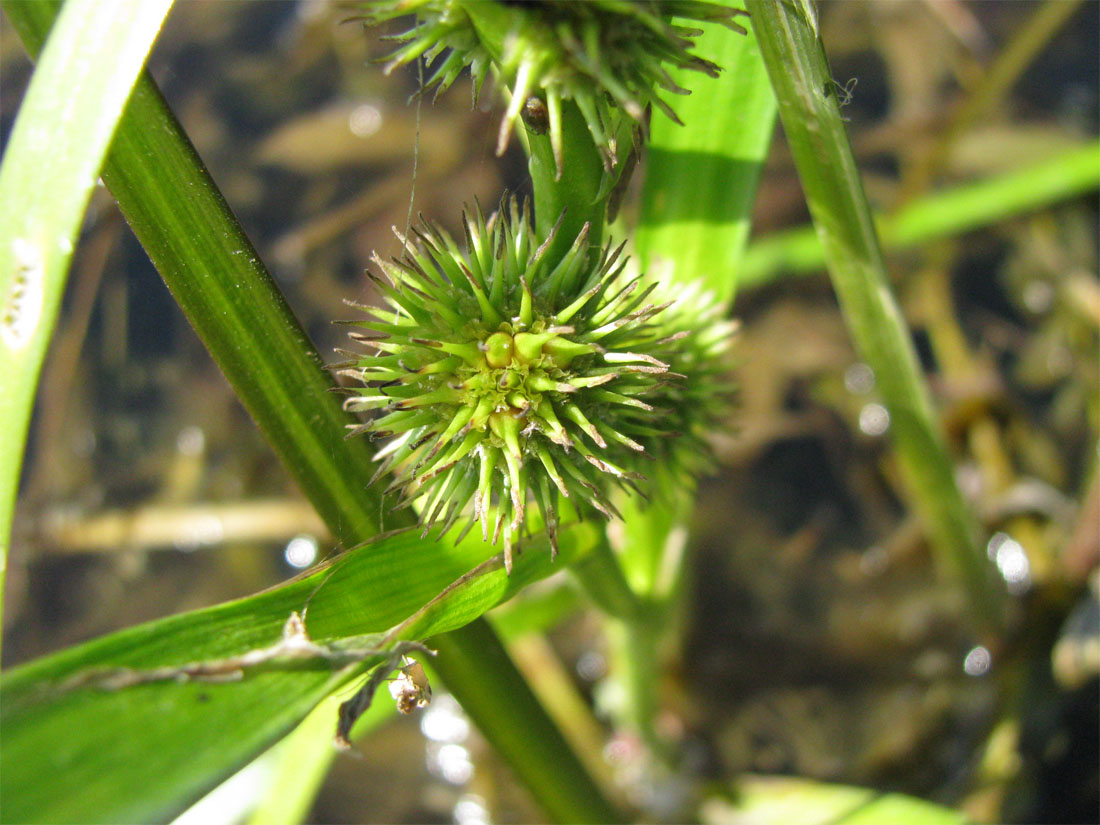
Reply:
x=610, y=57
x=502, y=376
x=161, y=750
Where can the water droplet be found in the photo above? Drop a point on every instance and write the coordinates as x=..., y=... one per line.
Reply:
x=451, y=763
x=591, y=666
x=874, y=419
x=977, y=661
x=200, y=532
x=444, y=721
x=365, y=120
x=1038, y=296
x=1012, y=561
x=859, y=379
x=470, y=809
x=301, y=551
x=874, y=561
x=191, y=441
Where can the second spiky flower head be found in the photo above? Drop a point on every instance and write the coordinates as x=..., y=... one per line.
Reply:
x=504, y=377
x=604, y=55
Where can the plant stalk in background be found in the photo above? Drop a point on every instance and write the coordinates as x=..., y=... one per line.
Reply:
x=808, y=107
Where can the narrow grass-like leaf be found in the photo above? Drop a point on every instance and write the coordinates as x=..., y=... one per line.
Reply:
x=50, y=166
x=701, y=178
x=1011, y=61
x=807, y=96
x=940, y=215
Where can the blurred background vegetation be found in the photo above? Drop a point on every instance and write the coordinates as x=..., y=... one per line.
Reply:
x=815, y=639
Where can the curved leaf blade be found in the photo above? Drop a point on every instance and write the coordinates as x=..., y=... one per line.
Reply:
x=51, y=163
x=141, y=753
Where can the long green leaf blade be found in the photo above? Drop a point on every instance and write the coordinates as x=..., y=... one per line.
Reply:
x=940, y=215
x=142, y=753
x=778, y=800
x=700, y=186
x=50, y=166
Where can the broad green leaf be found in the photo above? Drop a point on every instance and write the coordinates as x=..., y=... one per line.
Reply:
x=50, y=166
x=142, y=753
x=701, y=178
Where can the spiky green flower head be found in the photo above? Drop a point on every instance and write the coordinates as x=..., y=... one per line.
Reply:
x=502, y=377
x=608, y=56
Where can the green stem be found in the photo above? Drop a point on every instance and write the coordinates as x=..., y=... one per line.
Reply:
x=576, y=193
x=242, y=317
x=476, y=667
x=807, y=98
x=647, y=541
x=635, y=647
x=602, y=577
